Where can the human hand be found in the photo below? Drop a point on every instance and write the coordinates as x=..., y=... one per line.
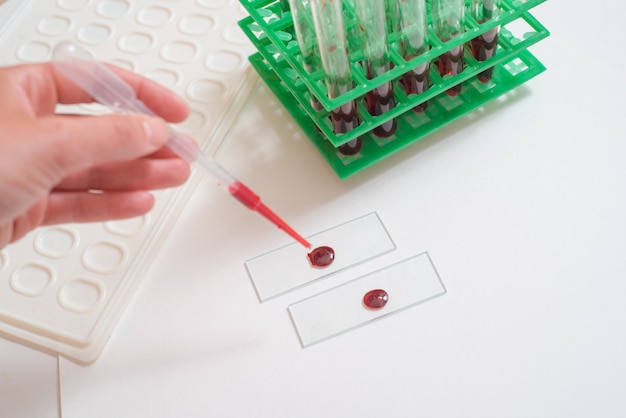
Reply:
x=68, y=168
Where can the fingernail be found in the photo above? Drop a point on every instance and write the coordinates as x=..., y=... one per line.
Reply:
x=156, y=131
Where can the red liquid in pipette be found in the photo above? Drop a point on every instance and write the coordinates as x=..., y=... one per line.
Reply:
x=252, y=201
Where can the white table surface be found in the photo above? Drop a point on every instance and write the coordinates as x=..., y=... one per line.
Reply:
x=29, y=383
x=521, y=209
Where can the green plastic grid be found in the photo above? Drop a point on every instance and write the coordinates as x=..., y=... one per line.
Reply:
x=509, y=46
x=411, y=127
x=269, y=25
x=278, y=63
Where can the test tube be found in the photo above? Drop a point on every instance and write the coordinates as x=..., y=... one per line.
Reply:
x=391, y=12
x=484, y=46
x=448, y=23
x=333, y=47
x=412, y=29
x=307, y=41
x=372, y=31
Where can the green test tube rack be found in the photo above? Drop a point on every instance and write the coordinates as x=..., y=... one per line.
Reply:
x=270, y=28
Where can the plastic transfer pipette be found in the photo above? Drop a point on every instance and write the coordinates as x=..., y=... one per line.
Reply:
x=105, y=87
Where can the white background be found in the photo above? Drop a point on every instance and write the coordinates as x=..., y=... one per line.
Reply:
x=521, y=209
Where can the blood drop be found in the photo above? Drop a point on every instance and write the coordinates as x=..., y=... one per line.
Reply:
x=322, y=256
x=375, y=299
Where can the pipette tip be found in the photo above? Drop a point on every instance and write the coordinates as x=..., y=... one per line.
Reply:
x=276, y=220
x=250, y=199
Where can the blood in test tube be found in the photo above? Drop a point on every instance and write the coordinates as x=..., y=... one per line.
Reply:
x=410, y=24
x=371, y=31
x=321, y=256
x=448, y=23
x=330, y=32
x=375, y=299
x=484, y=46
x=417, y=81
x=351, y=147
x=451, y=63
x=346, y=118
x=379, y=101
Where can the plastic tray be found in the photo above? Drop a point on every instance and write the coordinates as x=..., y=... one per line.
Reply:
x=64, y=288
x=278, y=62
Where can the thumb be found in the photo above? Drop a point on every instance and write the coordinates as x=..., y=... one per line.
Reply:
x=77, y=142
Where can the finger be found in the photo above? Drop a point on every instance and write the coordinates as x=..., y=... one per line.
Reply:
x=159, y=99
x=71, y=144
x=15, y=229
x=163, y=152
x=166, y=152
x=67, y=207
x=43, y=87
x=143, y=174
